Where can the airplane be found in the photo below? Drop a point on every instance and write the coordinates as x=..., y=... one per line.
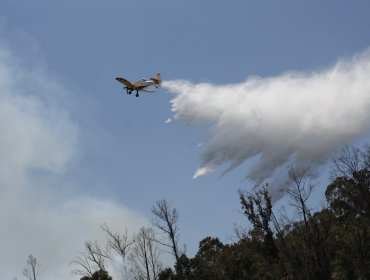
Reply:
x=140, y=85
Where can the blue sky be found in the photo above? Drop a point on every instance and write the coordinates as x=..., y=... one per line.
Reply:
x=117, y=150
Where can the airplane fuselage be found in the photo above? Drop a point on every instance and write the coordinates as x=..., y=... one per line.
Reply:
x=140, y=85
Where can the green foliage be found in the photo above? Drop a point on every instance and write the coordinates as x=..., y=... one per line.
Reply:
x=349, y=197
x=98, y=275
x=333, y=243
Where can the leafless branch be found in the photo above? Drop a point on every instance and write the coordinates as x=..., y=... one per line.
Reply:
x=165, y=220
x=32, y=269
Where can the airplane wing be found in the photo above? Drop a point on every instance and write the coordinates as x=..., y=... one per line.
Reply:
x=146, y=90
x=124, y=81
x=144, y=83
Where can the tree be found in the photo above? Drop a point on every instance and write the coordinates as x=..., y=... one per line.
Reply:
x=349, y=197
x=305, y=243
x=165, y=220
x=119, y=243
x=93, y=259
x=32, y=269
x=98, y=275
x=350, y=161
x=299, y=190
x=258, y=209
x=206, y=262
x=144, y=256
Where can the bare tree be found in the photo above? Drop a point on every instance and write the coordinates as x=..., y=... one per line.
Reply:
x=299, y=188
x=32, y=269
x=165, y=220
x=119, y=243
x=315, y=230
x=144, y=256
x=90, y=260
x=350, y=160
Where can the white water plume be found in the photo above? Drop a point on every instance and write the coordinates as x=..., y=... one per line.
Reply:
x=294, y=118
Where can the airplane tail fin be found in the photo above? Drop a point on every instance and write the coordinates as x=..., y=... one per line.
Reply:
x=157, y=79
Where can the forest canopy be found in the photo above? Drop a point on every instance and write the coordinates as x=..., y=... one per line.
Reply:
x=331, y=243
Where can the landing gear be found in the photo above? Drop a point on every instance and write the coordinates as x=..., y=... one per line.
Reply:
x=128, y=91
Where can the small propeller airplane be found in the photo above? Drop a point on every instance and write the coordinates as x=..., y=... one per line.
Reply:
x=140, y=85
